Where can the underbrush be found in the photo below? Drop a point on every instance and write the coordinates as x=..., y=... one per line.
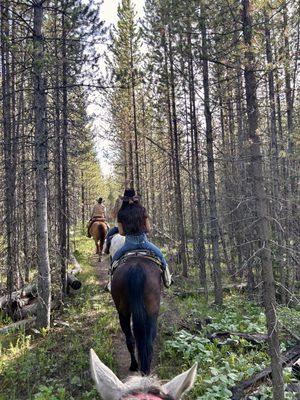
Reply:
x=221, y=364
x=54, y=365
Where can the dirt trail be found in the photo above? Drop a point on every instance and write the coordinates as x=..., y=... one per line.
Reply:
x=166, y=318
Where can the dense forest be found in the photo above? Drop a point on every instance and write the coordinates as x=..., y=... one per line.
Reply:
x=202, y=105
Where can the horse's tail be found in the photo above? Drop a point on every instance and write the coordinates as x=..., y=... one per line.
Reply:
x=101, y=232
x=144, y=327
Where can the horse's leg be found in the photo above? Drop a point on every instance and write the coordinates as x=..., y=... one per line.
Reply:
x=99, y=252
x=97, y=246
x=154, y=329
x=100, y=248
x=130, y=342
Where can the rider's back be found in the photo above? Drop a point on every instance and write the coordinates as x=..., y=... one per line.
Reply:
x=99, y=210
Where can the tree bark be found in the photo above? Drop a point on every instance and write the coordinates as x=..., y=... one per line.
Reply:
x=176, y=160
x=64, y=166
x=200, y=246
x=261, y=205
x=9, y=189
x=217, y=273
x=41, y=147
x=134, y=116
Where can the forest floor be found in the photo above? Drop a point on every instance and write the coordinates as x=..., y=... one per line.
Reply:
x=54, y=365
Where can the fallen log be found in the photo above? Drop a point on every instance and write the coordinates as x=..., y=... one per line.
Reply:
x=255, y=338
x=19, y=303
x=288, y=359
x=72, y=281
x=28, y=291
x=77, y=268
x=24, y=323
x=26, y=311
x=31, y=309
x=228, y=288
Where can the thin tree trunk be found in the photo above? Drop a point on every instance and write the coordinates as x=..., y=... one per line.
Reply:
x=176, y=160
x=64, y=161
x=262, y=224
x=217, y=273
x=135, y=129
x=41, y=145
x=200, y=249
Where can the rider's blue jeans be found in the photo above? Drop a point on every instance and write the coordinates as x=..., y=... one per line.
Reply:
x=136, y=242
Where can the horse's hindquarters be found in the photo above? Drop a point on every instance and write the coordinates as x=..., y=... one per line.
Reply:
x=98, y=231
x=136, y=292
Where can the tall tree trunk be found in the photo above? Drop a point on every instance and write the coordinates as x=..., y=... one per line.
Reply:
x=274, y=163
x=290, y=182
x=82, y=201
x=176, y=160
x=211, y=173
x=262, y=225
x=7, y=138
x=41, y=147
x=200, y=249
x=134, y=116
x=64, y=160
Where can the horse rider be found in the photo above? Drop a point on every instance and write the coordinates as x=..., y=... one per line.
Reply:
x=98, y=214
x=133, y=223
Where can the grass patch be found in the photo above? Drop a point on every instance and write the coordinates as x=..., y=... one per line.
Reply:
x=54, y=365
x=221, y=366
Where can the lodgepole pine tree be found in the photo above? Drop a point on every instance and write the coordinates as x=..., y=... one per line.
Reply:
x=41, y=150
x=261, y=206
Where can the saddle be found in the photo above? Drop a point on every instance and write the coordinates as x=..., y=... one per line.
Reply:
x=147, y=254
x=101, y=219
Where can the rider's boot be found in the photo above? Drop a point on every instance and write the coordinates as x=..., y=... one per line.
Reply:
x=167, y=277
x=88, y=230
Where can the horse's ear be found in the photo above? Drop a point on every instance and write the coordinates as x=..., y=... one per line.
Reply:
x=181, y=383
x=108, y=385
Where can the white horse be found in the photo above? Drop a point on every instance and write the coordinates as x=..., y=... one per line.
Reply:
x=137, y=387
x=117, y=242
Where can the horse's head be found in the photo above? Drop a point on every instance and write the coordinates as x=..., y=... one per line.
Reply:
x=139, y=388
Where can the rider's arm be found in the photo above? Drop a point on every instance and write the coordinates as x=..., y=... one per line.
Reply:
x=121, y=230
x=148, y=226
x=93, y=211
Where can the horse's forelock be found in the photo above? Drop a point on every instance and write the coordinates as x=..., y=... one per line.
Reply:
x=144, y=385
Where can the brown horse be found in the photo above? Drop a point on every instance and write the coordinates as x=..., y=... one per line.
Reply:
x=135, y=288
x=98, y=231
